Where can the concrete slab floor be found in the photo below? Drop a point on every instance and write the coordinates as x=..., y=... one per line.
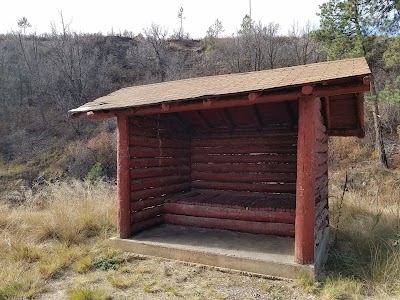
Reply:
x=256, y=253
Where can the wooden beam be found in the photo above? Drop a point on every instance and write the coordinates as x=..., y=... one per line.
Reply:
x=340, y=90
x=253, y=96
x=123, y=177
x=327, y=112
x=165, y=107
x=207, y=102
x=228, y=118
x=236, y=225
x=232, y=213
x=194, y=105
x=305, y=186
x=256, y=117
x=181, y=122
x=77, y=115
x=367, y=80
x=307, y=89
x=203, y=120
x=291, y=114
x=346, y=132
x=100, y=115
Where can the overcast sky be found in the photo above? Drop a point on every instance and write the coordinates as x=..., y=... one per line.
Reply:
x=103, y=16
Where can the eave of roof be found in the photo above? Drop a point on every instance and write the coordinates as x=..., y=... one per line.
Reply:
x=221, y=86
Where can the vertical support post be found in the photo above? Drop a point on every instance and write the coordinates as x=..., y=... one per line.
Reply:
x=123, y=177
x=305, y=185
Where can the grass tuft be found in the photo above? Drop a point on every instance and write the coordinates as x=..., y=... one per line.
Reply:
x=307, y=283
x=339, y=288
x=122, y=281
x=151, y=287
x=84, y=293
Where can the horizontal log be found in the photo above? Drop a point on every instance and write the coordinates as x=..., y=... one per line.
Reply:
x=344, y=123
x=158, y=172
x=339, y=90
x=158, y=152
x=158, y=162
x=161, y=123
x=270, y=188
x=159, y=191
x=235, y=141
x=146, y=214
x=236, y=133
x=238, y=193
x=156, y=133
x=137, y=227
x=346, y=132
x=157, y=182
x=245, y=177
x=245, y=149
x=226, y=102
x=236, y=225
x=285, y=158
x=228, y=213
x=147, y=203
x=154, y=142
x=246, y=167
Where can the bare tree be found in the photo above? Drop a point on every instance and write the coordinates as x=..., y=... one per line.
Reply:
x=157, y=37
x=306, y=50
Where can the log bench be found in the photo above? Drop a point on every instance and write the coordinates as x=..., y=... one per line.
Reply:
x=264, y=213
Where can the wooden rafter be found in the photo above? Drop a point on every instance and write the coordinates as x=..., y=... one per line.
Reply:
x=228, y=118
x=181, y=122
x=256, y=117
x=203, y=120
x=292, y=117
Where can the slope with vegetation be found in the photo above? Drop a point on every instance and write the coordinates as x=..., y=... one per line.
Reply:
x=57, y=176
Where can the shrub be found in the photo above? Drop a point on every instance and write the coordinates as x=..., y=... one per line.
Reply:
x=104, y=263
x=95, y=173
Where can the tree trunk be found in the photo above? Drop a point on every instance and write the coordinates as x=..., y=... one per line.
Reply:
x=379, y=145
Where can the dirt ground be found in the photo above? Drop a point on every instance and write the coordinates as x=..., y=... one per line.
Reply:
x=141, y=277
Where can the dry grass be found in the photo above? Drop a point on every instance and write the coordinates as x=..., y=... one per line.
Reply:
x=57, y=242
x=365, y=261
x=55, y=246
x=47, y=234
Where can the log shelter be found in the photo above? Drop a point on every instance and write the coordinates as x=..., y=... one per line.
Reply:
x=243, y=152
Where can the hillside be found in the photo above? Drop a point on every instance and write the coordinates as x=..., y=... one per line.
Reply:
x=54, y=171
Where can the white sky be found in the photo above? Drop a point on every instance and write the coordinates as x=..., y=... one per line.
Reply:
x=90, y=16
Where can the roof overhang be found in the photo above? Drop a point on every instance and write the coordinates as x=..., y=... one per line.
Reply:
x=327, y=79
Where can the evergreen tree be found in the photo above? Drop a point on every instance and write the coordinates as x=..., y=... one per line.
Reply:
x=347, y=29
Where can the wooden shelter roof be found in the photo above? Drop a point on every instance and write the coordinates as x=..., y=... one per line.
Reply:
x=323, y=75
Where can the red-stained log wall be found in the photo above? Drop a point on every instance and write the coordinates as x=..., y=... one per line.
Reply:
x=251, y=161
x=159, y=149
x=244, y=179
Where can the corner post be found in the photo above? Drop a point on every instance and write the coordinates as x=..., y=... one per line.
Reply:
x=123, y=177
x=305, y=185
